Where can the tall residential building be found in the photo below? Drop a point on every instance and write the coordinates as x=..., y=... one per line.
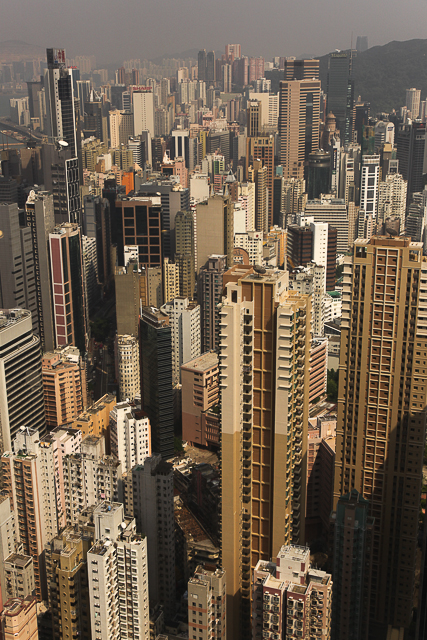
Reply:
x=214, y=229
x=353, y=529
x=19, y=619
x=260, y=148
x=369, y=185
x=299, y=121
x=68, y=588
x=340, y=92
x=156, y=379
x=130, y=435
x=153, y=507
x=143, y=111
x=130, y=288
x=320, y=476
x=381, y=401
x=392, y=198
x=90, y=476
x=264, y=381
x=21, y=387
x=413, y=97
x=184, y=320
x=185, y=253
x=18, y=571
x=29, y=480
x=121, y=127
x=140, y=225
x=291, y=599
x=257, y=173
x=39, y=216
x=60, y=105
x=68, y=291
x=209, y=294
x=170, y=280
x=337, y=214
x=64, y=385
x=200, y=393
x=128, y=367
x=9, y=539
x=206, y=603
x=18, y=286
x=118, y=577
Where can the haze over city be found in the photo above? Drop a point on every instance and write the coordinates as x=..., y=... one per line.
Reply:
x=113, y=31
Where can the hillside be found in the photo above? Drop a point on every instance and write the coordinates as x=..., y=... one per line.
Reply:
x=381, y=74
x=15, y=50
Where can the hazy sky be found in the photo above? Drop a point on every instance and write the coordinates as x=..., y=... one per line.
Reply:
x=114, y=30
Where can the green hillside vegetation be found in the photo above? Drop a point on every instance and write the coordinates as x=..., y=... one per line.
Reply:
x=381, y=74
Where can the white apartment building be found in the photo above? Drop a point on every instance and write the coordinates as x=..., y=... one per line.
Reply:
x=118, y=577
x=143, y=112
x=130, y=435
x=128, y=369
x=170, y=280
x=206, y=604
x=252, y=242
x=247, y=200
x=392, y=198
x=320, y=244
x=369, y=184
x=184, y=320
x=90, y=476
x=8, y=536
x=310, y=280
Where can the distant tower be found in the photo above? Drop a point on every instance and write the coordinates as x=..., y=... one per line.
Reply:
x=210, y=68
x=361, y=44
x=413, y=97
x=201, y=60
x=340, y=92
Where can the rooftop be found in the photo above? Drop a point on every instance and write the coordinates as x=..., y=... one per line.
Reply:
x=202, y=363
x=9, y=317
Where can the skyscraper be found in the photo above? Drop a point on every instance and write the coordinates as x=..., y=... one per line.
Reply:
x=264, y=364
x=413, y=97
x=184, y=320
x=185, y=252
x=118, y=576
x=17, y=268
x=61, y=116
x=201, y=62
x=140, y=224
x=340, y=91
x=210, y=68
x=306, y=69
x=39, y=214
x=299, y=121
x=381, y=411
x=156, y=379
x=410, y=153
x=68, y=290
x=209, y=294
x=214, y=229
x=153, y=507
x=143, y=110
x=21, y=388
x=352, y=539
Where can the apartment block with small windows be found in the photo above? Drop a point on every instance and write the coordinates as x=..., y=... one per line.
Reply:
x=206, y=603
x=291, y=599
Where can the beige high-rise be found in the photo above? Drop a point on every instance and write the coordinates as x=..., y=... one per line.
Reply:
x=264, y=380
x=382, y=410
x=299, y=121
